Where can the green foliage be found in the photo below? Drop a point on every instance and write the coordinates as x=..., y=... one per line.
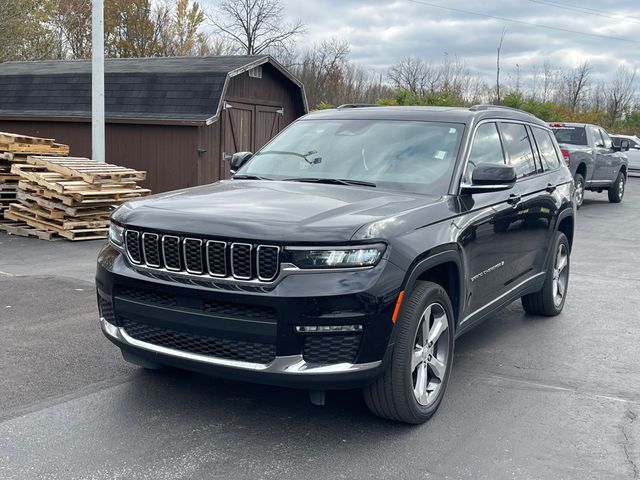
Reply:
x=405, y=97
x=323, y=106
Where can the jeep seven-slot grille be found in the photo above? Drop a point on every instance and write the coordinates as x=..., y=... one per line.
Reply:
x=197, y=256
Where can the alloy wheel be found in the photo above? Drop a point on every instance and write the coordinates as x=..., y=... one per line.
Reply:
x=430, y=354
x=560, y=274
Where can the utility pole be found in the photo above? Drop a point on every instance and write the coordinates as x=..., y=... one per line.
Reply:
x=97, y=80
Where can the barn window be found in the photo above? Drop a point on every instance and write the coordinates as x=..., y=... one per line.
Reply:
x=255, y=72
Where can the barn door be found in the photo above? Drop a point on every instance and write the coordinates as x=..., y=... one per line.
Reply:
x=268, y=124
x=238, y=132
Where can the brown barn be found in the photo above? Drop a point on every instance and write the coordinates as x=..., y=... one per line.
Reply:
x=174, y=117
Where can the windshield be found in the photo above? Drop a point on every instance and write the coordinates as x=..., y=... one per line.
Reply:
x=400, y=155
x=572, y=135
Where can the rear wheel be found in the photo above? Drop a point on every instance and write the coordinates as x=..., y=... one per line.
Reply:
x=579, y=183
x=549, y=300
x=413, y=385
x=616, y=191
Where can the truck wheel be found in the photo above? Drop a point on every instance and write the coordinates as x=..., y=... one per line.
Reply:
x=549, y=300
x=412, y=386
x=616, y=191
x=578, y=180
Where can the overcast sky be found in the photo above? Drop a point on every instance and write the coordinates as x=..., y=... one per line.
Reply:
x=381, y=31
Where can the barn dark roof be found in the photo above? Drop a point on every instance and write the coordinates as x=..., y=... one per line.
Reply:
x=176, y=89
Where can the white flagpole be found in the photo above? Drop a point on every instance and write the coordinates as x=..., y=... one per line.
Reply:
x=97, y=80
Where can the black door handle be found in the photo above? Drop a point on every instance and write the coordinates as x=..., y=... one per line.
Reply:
x=514, y=199
x=550, y=188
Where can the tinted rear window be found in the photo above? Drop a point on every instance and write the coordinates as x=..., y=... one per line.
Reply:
x=572, y=135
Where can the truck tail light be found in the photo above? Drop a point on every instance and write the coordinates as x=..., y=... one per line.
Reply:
x=567, y=156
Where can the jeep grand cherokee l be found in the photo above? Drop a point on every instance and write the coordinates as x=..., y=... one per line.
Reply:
x=349, y=252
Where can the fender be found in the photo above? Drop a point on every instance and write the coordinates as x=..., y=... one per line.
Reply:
x=431, y=261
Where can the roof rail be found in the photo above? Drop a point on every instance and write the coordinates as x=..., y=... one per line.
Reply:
x=476, y=108
x=358, y=105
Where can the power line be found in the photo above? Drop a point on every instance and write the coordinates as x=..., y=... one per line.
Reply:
x=588, y=11
x=522, y=22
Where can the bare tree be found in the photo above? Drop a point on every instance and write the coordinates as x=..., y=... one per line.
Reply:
x=620, y=93
x=257, y=26
x=578, y=82
x=412, y=74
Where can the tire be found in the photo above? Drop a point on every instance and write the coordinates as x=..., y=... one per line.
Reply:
x=549, y=300
x=578, y=181
x=616, y=191
x=392, y=395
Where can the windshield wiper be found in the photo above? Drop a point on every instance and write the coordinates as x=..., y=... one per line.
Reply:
x=250, y=177
x=313, y=161
x=333, y=181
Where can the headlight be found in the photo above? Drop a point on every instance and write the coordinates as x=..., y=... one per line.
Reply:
x=348, y=257
x=116, y=233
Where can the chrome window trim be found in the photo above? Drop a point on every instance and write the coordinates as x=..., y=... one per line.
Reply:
x=144, y=250
x=206, y=250
x=497, y=121
x=164, y=258
x=233, y=273
x=260, y=277
x=184, y=253
x=126, y=246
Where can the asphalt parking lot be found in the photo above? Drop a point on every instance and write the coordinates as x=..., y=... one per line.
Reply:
x=529, y=397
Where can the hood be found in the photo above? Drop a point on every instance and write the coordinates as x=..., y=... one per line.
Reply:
x=269, y=210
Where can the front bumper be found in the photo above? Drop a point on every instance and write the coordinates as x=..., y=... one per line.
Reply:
x=365, y=298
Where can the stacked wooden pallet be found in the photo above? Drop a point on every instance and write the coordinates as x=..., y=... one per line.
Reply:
x=70, y=196
x=15, y=149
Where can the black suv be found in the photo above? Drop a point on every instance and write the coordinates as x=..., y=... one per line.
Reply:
x=349, y=252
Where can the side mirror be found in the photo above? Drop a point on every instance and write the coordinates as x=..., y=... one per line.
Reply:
x=624, y=145
x=488, y=177
x=237, y=160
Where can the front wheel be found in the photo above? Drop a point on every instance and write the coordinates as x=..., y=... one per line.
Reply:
x=412, y=387
x=616, y=191
x=549, y=300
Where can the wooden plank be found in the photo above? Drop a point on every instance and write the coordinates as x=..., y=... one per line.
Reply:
x=22, y=229
x=74, y=234
x=89, y=170
x=64, y=223
x=55, y=204
x=6, y=137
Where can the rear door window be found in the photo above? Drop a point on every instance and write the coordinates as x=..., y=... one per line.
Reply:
x=518, y=146
x=547, y=149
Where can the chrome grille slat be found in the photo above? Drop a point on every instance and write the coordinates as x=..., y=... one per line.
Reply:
x=202, y=257
x=171, y=253
x=151, y=249
x=217, y=258
x=241, y=261
x=192, y=250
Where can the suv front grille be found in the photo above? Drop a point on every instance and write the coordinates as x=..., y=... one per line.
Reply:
x=201, y=344
x=329, y=349
x=197, y=256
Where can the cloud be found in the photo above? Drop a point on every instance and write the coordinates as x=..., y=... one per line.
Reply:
x=382, y=31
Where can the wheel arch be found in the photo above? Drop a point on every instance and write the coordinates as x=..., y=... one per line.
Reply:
x=444, y=268
x=566, y=225
x=582, y=169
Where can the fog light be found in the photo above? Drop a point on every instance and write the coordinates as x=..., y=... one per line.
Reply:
x=328, y=328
